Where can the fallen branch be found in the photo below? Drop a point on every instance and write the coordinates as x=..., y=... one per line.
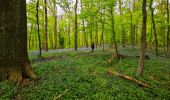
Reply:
x=129, y=78
x=55, y=98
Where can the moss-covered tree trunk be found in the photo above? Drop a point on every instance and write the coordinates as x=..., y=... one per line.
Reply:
x=14, y=62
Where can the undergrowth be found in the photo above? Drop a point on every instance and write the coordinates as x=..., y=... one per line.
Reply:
x=84, y=76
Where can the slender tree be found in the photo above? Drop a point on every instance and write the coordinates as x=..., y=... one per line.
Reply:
x=46, y=27
x=38, y=27
x=103, y=28
x=111, y=11
x=14, y=62
x=122, y=25
x=143, y=40
x=76, y=26
x=84, y=28
x=55, y=25
x=30, y=37
x=168, y=26
x=154, y=28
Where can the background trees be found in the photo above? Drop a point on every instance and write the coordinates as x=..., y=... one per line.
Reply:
x=79, y=23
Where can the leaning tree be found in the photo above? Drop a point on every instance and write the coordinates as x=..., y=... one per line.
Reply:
x=14, y=62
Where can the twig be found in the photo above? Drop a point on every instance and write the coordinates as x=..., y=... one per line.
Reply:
x=65, y=91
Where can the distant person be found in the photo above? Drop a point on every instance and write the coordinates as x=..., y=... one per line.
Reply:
x=92, y=46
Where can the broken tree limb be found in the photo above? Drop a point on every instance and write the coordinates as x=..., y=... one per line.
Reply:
x=129, y=78
x=59, y=96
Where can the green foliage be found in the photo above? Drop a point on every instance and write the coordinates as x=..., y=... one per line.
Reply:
x=84, y=75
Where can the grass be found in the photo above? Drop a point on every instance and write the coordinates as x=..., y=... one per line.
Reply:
x=85, y=76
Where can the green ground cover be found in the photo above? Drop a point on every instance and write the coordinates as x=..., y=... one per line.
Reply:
x=82, y=75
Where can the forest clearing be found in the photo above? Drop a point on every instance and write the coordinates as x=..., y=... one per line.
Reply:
x=84, y=49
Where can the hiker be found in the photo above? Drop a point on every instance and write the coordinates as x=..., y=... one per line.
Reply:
x=92, y=46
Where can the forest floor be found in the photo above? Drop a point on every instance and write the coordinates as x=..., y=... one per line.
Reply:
x=67, y=74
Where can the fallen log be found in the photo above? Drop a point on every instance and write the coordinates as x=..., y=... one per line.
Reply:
x=129, y=78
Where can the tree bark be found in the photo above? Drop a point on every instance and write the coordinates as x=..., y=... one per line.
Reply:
x=96, y=34
x=168, y=27
x=76, y=26
x=38, y=27
x=46, y=27
x=132, y=31
x=84, y=29
x=154, y=28
x=122, y=25
x=55, y=26
x=14, y=62
x=30, y=37
x=113, y=31
x=103, y=27
x=143, y=40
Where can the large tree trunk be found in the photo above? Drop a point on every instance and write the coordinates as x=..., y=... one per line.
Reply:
x=154, y=28
x=76, y=27
x=14, y=62
x=143, y=41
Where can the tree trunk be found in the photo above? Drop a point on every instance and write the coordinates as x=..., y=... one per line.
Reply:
x=154, y=28
x=96, y=34
x=167, y=8
x=38, y=27
x=102, y=37
x=85, y=35
x=30, y=37
x=76, y=27
x=69, y=37
x=143, y=41
x=84, y=29
x=113, y=31
x=46, y=27
x=91, y=31
x=14, y=62
x=55, y=25
x=122, y=25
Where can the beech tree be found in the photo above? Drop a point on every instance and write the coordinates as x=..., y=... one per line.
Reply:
x=143, y=41
x=76, y=26
x=14, y=61
x=154, y=27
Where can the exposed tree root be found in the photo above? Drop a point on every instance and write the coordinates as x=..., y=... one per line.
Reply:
x=129, y=78
x=17, y=73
